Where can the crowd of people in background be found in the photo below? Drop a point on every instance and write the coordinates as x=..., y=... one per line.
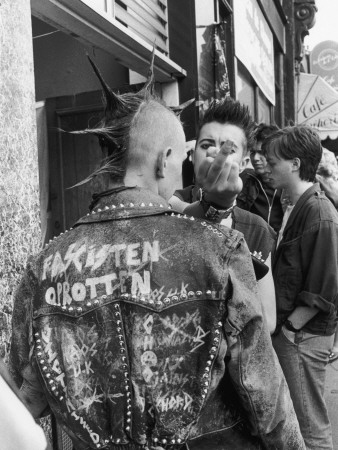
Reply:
x=192, y=318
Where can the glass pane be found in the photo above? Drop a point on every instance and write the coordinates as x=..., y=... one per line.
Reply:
x=263, y=109
x=245, y=88
x=213, y=82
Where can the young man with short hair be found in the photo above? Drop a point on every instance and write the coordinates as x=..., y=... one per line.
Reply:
x=142, y=329
x=305, y=269
x=224, y=138
x=257, y=196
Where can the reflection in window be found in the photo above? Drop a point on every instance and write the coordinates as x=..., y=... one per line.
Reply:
x=213, y=80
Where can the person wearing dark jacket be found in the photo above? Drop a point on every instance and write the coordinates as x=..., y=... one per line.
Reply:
x=140, y=327
x=257, y=196
x=327, y=177
x=305, y=267
x=224, y=138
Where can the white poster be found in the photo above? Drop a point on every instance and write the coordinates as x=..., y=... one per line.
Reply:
x=254, y=45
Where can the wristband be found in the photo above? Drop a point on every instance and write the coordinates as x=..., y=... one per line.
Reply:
x=211, y=212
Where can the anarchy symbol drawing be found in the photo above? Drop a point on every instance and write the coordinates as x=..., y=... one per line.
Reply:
x=149, y=359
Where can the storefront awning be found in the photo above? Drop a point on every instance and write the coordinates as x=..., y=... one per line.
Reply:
x=318, y=105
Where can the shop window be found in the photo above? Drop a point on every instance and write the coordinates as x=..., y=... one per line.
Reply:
x=247, y=92
x=263, y=108
x=245, y=88
x=213, y=43
x=277, y=111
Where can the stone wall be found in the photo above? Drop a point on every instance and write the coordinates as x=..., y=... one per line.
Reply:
x=19, y=184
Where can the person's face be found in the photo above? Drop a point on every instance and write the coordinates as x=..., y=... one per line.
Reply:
x=279, y=172
x=211, y=138
x=258, y=160
x=173, y=163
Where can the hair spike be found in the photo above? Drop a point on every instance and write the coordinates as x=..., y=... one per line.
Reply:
x=111, y=100
x=178, y=109
x=228, y=110
x=150, y=83
x=113, y=131
x=108, y=166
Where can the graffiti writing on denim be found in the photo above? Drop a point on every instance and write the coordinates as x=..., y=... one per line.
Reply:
x=175, y=331
x=127, y=260
x=80, y=352
x=165, y=342
x=117, y=255
x=63, y=294
x=159, y=294
x=51, y=356
x=94, y=436
x=176, y=402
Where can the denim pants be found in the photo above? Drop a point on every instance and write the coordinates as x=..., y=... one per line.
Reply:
x=304, y=366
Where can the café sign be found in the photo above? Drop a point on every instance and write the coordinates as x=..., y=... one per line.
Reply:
x=324, y=62
x=318, y=105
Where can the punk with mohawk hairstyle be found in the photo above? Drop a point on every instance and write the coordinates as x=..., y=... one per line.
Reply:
x=113, y=130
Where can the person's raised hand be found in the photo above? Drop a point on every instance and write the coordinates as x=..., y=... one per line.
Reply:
x=219, y=176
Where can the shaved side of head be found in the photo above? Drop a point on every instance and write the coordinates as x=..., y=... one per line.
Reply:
x=154, y=128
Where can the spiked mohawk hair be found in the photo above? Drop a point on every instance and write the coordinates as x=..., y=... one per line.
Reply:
x=232, y=112
x=113, y=131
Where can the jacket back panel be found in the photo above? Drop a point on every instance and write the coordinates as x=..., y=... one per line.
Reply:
x=128, y=328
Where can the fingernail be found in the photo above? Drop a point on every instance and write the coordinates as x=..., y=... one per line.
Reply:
x=228, y=146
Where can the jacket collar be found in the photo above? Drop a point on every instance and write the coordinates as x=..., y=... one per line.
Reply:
x=300, y=203
x=125, y=202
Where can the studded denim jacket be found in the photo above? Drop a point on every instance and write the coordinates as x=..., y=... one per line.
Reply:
x=141, y=328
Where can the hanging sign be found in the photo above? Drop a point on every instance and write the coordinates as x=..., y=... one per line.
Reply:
x=254, y=45
x=324, y=62
x=318, y=105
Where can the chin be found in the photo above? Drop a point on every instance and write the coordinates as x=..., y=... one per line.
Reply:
x=271, y=184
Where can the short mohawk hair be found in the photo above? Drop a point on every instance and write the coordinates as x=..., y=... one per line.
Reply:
x=233, y=112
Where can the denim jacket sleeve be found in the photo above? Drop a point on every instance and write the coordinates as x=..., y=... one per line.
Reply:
x=20, y=363
x=319, y=253
x=254, y=367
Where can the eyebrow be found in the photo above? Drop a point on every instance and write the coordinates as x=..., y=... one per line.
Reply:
x=211, y=140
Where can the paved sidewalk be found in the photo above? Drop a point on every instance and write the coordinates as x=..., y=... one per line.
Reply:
x=331, y=397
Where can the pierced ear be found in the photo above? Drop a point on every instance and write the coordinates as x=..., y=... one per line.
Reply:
x=162, y=162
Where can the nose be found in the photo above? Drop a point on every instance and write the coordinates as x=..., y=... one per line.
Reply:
x=256, y=156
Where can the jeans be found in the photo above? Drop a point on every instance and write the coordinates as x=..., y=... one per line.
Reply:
x=304, y=365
